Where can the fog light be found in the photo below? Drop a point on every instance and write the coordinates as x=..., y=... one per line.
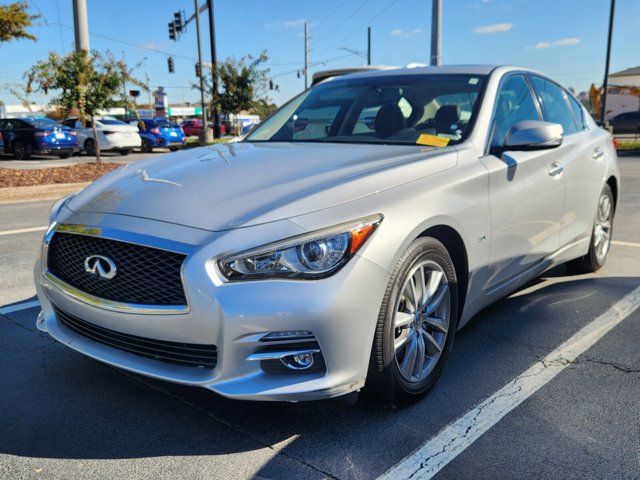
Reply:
x=301, y=361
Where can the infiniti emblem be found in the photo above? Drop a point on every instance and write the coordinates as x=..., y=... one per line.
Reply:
x=100, y=266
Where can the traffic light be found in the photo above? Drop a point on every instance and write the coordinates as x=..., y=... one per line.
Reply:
x=177, y=22
x=170, y=64
x=134, y=93
x=172, y=31
x=198, y=71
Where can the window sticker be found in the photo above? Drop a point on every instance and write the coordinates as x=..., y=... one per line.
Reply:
x=432, y=140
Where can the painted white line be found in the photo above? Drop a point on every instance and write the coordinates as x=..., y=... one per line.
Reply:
x=434, y=455
x=625, y=244
x=19, y=306
x=22, y=230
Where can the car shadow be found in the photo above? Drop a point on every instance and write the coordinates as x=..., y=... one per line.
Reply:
x=60, y=404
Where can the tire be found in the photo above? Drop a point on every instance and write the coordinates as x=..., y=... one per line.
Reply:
x=125, y=151
x=90, y=147
x=174, y=149
x=391, y=376
x=146, y=146
x=64, y=155
x=601, y=235
x=21, y=151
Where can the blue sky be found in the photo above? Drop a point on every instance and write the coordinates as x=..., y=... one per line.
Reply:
x=564, y=38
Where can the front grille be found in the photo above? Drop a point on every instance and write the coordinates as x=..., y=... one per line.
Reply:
x=145, y=275
x=188, y=354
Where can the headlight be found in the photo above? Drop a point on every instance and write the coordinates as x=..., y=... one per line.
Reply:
x=57, y=206
x=311, y=255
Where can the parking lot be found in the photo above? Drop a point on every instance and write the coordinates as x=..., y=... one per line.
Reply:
x=66, y=416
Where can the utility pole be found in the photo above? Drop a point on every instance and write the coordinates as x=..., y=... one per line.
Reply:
x=368, y=45
x=214, y=70
x=436, y=26
x=204, y=107
x=151, y=105
x=81, y=25
x=306, y=55
x=605, y=84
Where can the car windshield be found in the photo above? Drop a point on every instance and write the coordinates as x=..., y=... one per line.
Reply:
x=429, y=109
x=41, y=122
x=111, y=121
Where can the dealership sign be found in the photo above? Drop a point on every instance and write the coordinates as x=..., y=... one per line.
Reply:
x=184, y=111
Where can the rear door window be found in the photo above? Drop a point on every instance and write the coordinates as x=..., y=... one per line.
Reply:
x=576, y=108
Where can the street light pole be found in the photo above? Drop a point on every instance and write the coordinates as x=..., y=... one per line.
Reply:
x=204, y=108
x=81, y=25
x=368, y=45
x=436, y=26
x=306, y=55
x=605, y=84
x=214, y=70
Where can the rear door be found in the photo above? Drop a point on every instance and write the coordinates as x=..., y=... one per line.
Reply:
x=583, y=158
x=526, y=201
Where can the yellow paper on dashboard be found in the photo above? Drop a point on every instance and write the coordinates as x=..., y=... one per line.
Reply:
x=432, y=140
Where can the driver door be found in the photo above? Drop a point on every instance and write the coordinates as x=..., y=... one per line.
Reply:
x=527, y=201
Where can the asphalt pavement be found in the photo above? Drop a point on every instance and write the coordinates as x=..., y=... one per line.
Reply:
x=66, y=416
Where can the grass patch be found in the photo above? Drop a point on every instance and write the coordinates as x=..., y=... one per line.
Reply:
x=628, y=145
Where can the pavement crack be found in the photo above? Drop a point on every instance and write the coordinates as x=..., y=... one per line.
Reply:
x=225, y=423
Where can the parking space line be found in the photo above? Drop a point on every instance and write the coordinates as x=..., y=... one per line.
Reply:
x=22, y=230
x=18, y=307
x=434, y=455
x=625, y=244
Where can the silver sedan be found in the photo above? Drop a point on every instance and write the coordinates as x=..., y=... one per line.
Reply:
x=342, y=244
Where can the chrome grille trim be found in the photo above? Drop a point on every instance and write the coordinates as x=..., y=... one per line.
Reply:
x=123, y=236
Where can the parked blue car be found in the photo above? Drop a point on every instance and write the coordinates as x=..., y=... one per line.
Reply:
x=24, y=137
x=159, y=132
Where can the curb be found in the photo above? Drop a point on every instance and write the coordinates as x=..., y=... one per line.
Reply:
x=39, y=192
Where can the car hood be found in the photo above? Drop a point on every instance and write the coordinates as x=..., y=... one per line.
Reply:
x=241, y=184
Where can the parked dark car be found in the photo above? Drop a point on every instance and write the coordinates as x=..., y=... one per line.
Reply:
x=159, y=132
x=626, y=122
x=24, y=137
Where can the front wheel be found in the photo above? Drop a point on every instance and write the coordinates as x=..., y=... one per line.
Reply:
x=64, y=155
x=174, y=149
x=600, y=236
x=90, y=147
x=416, y=324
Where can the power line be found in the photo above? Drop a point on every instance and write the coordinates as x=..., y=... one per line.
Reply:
x=324, y=19
x=313, y=64
x=376, y=16
x=346, y=19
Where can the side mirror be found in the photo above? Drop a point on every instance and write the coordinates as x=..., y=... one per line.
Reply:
x=533, y=135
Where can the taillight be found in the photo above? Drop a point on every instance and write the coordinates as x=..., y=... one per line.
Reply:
x=615, y=142
x=73, y=133
x=155, y=131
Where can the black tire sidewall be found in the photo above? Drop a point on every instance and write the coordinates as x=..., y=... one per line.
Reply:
x=89, y=147
x=399, y=390
x=19, y=146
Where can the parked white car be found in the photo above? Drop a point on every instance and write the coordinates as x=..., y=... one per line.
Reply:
x=112, y=135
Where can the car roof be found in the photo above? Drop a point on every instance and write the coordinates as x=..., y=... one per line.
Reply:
x=431, y=70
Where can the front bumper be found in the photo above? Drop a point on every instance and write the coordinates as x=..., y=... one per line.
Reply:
x=341, y=311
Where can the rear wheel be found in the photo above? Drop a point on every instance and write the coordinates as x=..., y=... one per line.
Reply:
x=21, y=151
x=174, y=149
x=416, y=324
x=90, y=147
x=125, y=151
x=146, y=146
x=65, y=154
x=600, y=236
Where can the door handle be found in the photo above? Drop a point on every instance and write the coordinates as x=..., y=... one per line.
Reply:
x=556, y=169
x=597, y=154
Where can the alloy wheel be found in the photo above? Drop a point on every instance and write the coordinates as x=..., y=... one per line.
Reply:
x=602, y=228
x=421, y=321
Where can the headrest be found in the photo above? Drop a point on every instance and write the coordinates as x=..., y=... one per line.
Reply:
x=389, y=120
x=448, y=114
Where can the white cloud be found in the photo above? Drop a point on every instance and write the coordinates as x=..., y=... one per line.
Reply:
x=398, y=32
x=493, y=28
x=298, y=22
x=563, y=42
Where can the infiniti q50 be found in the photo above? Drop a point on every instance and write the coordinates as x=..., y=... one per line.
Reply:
x=341, y=244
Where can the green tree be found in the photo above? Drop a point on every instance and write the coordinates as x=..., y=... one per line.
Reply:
x=242, y=85
x=86, y=82
x=14, y=21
